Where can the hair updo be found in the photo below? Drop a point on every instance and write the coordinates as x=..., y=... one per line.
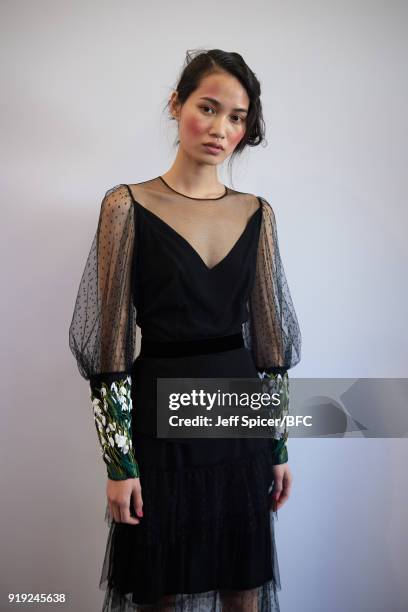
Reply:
x=199, y=64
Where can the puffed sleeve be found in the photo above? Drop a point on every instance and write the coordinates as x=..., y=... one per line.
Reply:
x=272, y=331
x=102, y=334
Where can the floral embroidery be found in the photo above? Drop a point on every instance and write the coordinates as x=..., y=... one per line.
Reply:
x=278, y=383
x=112, y=407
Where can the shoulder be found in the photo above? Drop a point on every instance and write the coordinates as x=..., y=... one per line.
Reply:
x=117, y=193
x=116, y=208
x=267, y=210
x=256, y=201
x=251, y=201
x=117, y=198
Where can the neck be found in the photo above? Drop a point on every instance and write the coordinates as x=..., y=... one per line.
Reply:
x=197, y=180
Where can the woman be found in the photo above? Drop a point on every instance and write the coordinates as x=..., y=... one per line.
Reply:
x=196, y=265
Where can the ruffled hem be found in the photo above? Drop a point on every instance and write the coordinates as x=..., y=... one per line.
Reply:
x=262, y=599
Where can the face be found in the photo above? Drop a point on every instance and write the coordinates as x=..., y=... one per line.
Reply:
x=214, y=113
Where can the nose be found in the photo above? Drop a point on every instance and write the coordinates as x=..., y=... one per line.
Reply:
x=217, y=128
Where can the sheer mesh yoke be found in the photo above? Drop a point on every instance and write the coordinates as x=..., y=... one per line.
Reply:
x=210, y=228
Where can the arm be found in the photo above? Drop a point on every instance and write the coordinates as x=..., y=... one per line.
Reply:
x=272, y=331
x=102, y=334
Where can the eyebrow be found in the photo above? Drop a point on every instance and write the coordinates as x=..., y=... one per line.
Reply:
x=217, y=103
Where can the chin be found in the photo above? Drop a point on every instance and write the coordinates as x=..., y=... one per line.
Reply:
x=216, y=159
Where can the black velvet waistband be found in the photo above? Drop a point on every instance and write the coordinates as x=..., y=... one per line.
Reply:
x=183, y=348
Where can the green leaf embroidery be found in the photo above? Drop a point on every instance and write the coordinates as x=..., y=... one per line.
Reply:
x=112, y=408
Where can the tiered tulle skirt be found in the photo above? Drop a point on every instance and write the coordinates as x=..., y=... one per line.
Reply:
x=206, y=540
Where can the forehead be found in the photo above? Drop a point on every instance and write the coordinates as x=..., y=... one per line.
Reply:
x=224, y=87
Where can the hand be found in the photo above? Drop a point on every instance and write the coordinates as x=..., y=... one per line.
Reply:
x=281, y=487
x=119, y=493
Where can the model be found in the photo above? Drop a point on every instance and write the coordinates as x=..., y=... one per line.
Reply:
x=196, y=265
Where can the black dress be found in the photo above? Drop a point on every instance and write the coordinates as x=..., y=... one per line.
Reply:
x=207, y=531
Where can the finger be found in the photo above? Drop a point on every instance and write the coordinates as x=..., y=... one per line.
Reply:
x=271, y=499
x=288, y=477
x=287, y=484
x=277, y=487
x=125, y=515
x=138, y=503
x=287, y=488
x=284, y=497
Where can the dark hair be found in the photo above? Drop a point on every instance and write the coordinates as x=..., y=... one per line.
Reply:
x=199, y=64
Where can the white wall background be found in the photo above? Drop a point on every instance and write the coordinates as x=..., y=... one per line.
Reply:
x=83, y=88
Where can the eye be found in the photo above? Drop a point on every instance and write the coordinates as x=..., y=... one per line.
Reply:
x=240, y=119
x=203, y=107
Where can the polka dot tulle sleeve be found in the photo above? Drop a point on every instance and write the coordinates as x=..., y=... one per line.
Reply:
x=272, y=330
x=102, y=334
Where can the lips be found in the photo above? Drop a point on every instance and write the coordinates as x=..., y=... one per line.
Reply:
x=213, y=144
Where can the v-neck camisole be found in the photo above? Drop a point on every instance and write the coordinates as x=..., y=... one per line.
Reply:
x=177, y=295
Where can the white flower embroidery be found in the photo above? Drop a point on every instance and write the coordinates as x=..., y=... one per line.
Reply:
x=111, y=407
x=97, y=411
x=120, y=440
x=123, y=403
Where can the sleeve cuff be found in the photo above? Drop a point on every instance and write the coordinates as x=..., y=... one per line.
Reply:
x=112, y=407
x=280, y=452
